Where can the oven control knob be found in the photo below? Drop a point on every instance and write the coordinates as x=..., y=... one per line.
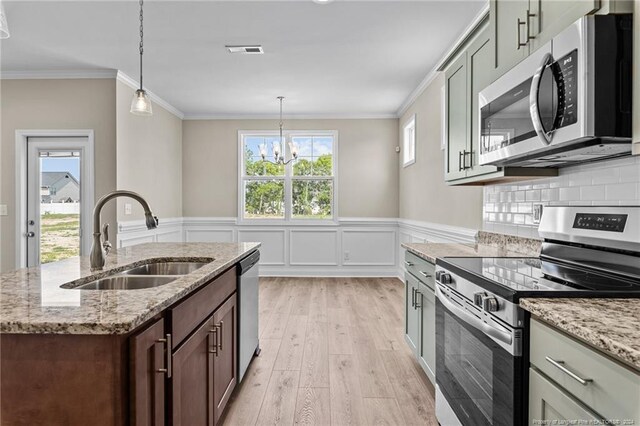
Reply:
x=490, y=304
x=445, y=278
x=438, y=275
x=478, y=297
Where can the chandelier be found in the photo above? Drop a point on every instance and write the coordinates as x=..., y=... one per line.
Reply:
x=278, y=146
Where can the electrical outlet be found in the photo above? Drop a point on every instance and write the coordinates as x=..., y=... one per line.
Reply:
x=537, y=212
x=347, y=255
x=127, y=208
x=3, y=210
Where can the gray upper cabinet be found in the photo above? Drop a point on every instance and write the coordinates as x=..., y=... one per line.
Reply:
x=480, y=75
x=550, y=17
x=508, y=22
x=457, y=116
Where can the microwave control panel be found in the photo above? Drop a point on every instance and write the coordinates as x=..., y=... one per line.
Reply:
x=566, y=71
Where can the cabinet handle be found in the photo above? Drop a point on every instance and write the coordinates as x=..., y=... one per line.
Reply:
x=459, y=161
x=407, y=263
x=529, y=16
x=424, y=274
x=413, y=296
x=221, y=335
x=520, y=43
x=464, y=159
x=214, y=348
x=168, y=369
x=565, y=370
x=418, y=304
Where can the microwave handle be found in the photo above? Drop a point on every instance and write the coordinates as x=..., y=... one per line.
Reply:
x=534, y=110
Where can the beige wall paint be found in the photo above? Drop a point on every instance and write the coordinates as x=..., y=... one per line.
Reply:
x=149, y=158
x=55, y=104
x=367, y=164
x=424, y=195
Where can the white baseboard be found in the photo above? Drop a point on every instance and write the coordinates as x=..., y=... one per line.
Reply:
x=352, y=247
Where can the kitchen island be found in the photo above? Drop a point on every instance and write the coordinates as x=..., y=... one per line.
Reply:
x=114, y=357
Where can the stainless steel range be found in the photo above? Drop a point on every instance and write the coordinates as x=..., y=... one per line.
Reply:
x=482, y=333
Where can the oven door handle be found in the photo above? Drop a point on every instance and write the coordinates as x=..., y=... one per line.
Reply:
x=500, y=335
x=534, y=109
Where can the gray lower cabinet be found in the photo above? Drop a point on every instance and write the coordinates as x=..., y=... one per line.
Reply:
x=572, y=381
x=420, y=312
x=549, y=403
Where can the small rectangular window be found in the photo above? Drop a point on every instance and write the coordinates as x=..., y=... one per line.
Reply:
x=409, y=142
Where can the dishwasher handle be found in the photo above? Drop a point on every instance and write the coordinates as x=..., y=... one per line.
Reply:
x=248, y=262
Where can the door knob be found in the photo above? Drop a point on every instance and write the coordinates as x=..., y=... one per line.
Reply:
x=30, y=234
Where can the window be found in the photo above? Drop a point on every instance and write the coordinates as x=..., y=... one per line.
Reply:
x=409, y=142
x=301, y=190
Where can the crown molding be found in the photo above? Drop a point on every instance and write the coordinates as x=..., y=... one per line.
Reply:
x=350, y=116
x=57, y=74
x=125, y=79
x=431, y=75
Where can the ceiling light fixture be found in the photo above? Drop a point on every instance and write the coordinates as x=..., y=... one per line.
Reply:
x=141, y=104
x=278, y=147
x=322, y=1
x=254, y=49
x=4, y=26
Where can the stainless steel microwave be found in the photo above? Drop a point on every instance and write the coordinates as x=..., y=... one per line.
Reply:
x=568, y=102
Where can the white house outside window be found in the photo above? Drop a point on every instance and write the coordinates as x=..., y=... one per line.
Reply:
x=409, y=142
x=301, y=190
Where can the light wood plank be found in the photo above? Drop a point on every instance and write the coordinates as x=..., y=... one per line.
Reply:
x=313, y=407
x=279, y=404
x=383, y=411
x=292, y=346
x=318, y=302
x=315, y=361
x=339, y=333
x=245, y=404
x=347, y=406
x=370, y=368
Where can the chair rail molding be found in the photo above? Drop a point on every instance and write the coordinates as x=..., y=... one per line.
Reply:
x=350, y=247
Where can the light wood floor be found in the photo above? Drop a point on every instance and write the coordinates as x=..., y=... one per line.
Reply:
x=333, y=353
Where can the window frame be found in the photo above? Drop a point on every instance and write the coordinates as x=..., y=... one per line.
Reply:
x=410, y=123
x=288, y=179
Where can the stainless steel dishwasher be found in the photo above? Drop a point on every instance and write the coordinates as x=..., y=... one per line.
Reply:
x=248, y=344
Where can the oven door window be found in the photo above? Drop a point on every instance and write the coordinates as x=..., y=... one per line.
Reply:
x=478, y=378
x=507, y=120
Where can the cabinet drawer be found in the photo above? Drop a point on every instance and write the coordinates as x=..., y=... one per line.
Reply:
x=186, y=316
x=609, y=389
x=420, y=268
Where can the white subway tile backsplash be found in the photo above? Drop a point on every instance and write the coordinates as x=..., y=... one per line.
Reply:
x=508, y=208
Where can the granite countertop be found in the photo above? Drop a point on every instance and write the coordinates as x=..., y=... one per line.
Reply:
x=431, y=251
x=31, y=300
x=609, y=325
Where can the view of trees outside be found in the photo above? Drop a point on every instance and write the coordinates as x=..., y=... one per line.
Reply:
x=311, y=177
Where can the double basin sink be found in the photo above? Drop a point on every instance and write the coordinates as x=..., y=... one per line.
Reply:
x=148, y=275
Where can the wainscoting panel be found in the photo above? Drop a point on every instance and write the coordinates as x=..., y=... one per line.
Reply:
x=313, y=247
x=369, y=247
x=273, y=249
x=353, y=247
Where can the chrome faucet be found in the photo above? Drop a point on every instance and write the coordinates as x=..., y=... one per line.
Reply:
x=101, y=245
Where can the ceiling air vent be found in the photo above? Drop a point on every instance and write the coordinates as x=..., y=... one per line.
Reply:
x=246, y=50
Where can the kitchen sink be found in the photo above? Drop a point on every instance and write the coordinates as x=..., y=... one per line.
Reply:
x=126, y=282
x=164, y=268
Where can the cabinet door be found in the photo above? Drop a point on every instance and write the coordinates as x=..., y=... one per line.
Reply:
x=148, y=368
x=553, y=16
x=507, y=33
x=480, y=75
x=548, y=402
x=411, y=314
x=224, y=362
x=457, y=117
x=192, y=379
x=427, y=352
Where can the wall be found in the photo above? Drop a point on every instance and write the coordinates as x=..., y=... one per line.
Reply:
x=149, y=158
x=636, y=78
x=55, y=104
x=508, y=208
x=424, y=195
x=367, y=165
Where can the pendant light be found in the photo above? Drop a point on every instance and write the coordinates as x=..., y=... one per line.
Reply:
x=4, y=26
x=278, y=147
x=141, y=104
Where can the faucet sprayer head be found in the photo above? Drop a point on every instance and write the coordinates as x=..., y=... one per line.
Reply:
x=151, y=220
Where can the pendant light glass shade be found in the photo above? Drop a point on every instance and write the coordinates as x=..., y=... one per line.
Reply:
x=4, y=27
x=141, y=104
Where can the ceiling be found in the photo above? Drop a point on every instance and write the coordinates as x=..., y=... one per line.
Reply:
x=346, y=58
